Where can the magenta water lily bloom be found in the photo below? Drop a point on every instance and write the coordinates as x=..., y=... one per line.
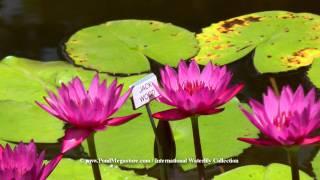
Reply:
x=24, y=163
x=285, y=120
x=192, y=92
x=86, y=111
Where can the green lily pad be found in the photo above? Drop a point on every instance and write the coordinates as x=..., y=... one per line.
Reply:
x=316, y=165
x=218, y=135
x=249, y=172
x=71, y=169
x=123, y=46
x=274, y=171
x=128, y=81
x=314, y=72
x=27, y=80
x=22, y=121
x=23, y=82
x=282, y=40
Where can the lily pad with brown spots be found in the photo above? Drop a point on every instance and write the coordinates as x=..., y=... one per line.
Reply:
x=122, y=47
x=281, y=40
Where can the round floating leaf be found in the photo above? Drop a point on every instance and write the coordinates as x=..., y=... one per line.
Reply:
x=250, y=172
x=27, y=80
x=314, y=73
x=123, y=46
x=282, y=40
x=217, y=132
x=274, y=171
x=128, y=81
x=24, y=81
x=21, y=121
x=316, y=165
x=17, y=85
x=79, y=170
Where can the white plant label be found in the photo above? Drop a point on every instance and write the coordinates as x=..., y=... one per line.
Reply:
x=144, y=91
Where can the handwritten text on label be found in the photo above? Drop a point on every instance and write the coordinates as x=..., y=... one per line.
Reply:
x=144, y=90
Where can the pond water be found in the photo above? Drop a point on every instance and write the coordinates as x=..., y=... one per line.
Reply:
x=36, y=29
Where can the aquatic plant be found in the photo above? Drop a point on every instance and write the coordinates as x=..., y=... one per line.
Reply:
x=24, y=163
x=194, y=93
x=286, y=121
x=87, y=111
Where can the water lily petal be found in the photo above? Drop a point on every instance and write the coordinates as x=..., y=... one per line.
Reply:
x=48, y=109
x=170, y=78
x=73, y=137
x=94, y=86
x=207, y=72
x=230, y=93
x=171, y=114
x=163, y=97
x=312, y=140
x=193, y=71
x=121, y=100
x=1, y=149
x=121, y=120
x=50, y=167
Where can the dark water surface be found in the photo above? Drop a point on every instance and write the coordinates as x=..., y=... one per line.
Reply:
x=36, y=28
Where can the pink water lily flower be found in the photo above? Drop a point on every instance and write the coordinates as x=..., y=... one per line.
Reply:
x=24, y=163
x=192, y=92
x=285, y=120
x=86, y=111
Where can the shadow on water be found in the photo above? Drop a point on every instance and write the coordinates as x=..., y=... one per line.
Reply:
x=36, y=29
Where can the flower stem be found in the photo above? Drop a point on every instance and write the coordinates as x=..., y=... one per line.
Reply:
x=197, y=146
x=163, y=170
x=93, y=155
x=274, y=85
x=293, y=160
